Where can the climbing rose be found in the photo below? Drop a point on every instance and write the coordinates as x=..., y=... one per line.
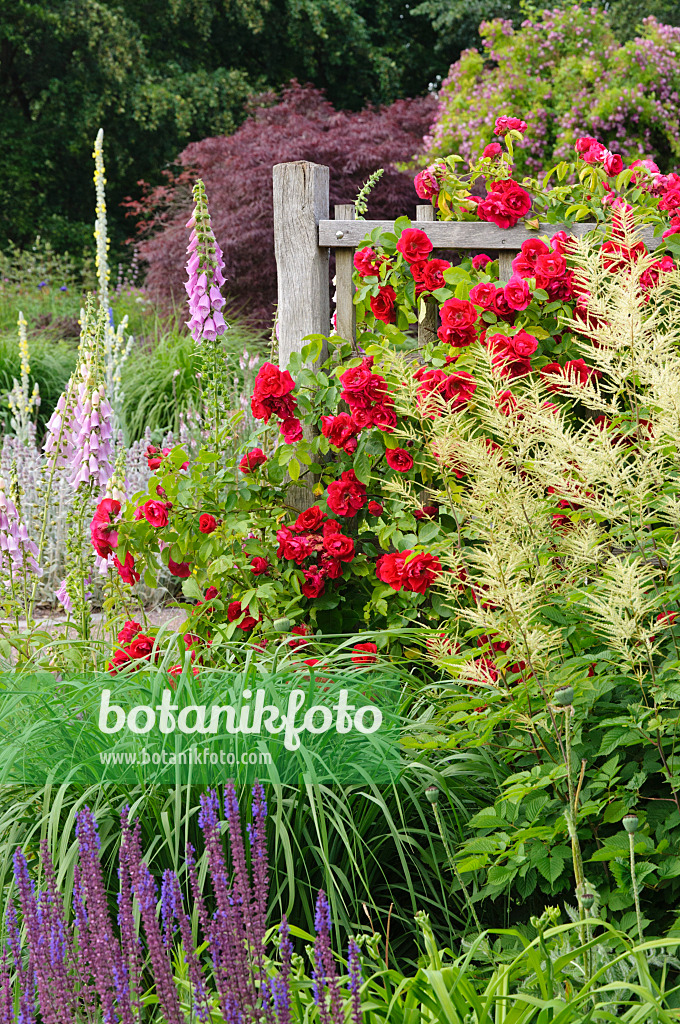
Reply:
x=426, y=184
x=340, y=547
x=399, y=459
x=155, y=513
x=517, y=294
x=480, y=261
x=346, y=495
x=365, y=654
x=252, y=460
x=127, y=572
x=180, y=569
x=509, y=124
x=129, y=630
x=367, y=262
x=375, y=508
x=414, y=245
x=235, y=611
x=310, y=519
x=207, y=523
x=420, y=572
x=258, y=565
x=382, y=304
x=493, y=150
x=458, y=313
x=104, y=536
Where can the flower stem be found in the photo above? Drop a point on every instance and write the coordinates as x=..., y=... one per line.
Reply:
x=633, y=880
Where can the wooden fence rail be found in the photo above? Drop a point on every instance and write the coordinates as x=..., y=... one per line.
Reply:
x=304, y=234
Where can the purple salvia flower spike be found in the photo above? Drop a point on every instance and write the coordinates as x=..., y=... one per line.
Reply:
x=103, y=948
x=258, y=840
x=6, y=996
x=144, y=889
x=354, y=971
x=325, y=974
x=82, y=954
x=131, y=947
x=226, y=933
x=167, y=900
x=281, y=985
x=201, y=1001
x=25, y=973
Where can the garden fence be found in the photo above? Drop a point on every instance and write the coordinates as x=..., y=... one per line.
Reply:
x=304, y=234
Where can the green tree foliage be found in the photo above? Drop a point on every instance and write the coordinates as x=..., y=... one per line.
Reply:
x=157, y=75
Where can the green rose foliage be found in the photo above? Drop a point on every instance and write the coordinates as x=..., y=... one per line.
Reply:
x=567, y=76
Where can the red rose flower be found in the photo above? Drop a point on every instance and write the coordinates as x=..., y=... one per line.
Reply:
x=364, y=654
x=340, y=430
x=457, y=338
x=141, y=646
x=426, y=512
x=207, y=523
x=509, y=124
x=367, y=262
x=590, y=150
x=127, y=572
x=433, y=275
x=375, y=508
x=234, y=613
x=414, y=245
x=419, y=572
x=501, y=308
x=119, y=658
x=399, y=459
x=252, y=460
x=314, y=585
x=104, y=536
x=384, y=418
x=272, y=393
x=309, y=520
x=346, y=495
x=129, y=630
x=210, y=593
x=458, y=313
x=389, y=569
x=297, y=549
x=495, y=210
x=483, y=294
x=155, y=513
x=383, y=304
x=340, y=547
x=493, y=150
x=426, y=184
x=180, y=569
x=524, y=262
x=153, y=457
x=481, y=259
x=613, y=164
x=330, y=567
x=517, y=294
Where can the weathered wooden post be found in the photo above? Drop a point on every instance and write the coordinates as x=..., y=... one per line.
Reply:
x=346, y=319
x=301, y=198
x=427, y=328
x=301, y=192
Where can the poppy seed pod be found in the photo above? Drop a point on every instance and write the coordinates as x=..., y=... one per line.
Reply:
x=281, y=625
x=563, y=696
x=587, y=900
x=432, y=794
x=630, y=822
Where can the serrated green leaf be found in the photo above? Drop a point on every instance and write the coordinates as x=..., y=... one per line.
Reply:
x=190, y=588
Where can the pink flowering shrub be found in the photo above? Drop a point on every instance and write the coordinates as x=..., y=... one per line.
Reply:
x=573, y=79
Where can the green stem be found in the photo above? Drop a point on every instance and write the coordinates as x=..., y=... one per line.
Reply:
x=633, y=880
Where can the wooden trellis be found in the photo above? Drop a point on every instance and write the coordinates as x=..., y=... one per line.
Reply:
x=304, y=234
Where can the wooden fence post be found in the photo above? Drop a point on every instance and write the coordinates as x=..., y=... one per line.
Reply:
x=427, y=328
x=505, y=266
x=346, y=318
x=301, y=197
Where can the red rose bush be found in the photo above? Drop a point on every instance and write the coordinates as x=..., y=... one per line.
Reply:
x=356, y=501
